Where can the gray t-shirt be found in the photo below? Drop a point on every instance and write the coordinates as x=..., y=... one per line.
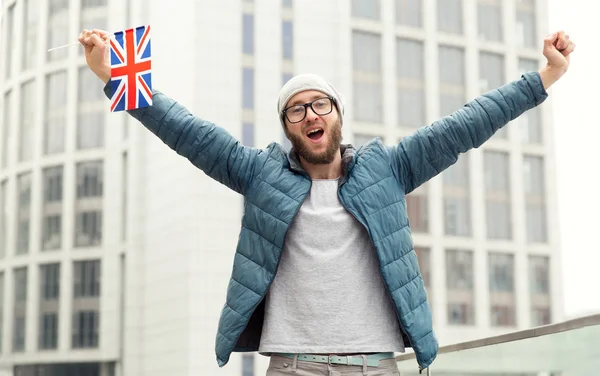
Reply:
x=328, y=295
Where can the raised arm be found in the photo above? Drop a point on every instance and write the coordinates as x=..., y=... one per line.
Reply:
x=207, y=146
x=432, y=149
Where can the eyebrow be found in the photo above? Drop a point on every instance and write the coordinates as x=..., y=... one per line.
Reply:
x=320, y=95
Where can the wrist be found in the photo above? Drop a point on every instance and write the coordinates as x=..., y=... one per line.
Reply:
x=550, y=75
x=104, y=75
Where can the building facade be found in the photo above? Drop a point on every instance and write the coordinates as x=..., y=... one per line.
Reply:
x=115, y=253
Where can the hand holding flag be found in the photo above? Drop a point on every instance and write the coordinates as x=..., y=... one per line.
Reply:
x=125, y=60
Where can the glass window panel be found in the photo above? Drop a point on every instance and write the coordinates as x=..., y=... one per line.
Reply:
x=459, y=270
x=287, y=3
x=85, y=329
x=58, y=28
x=23, y=212
x=540, y=316
x=409, y=59
x=370, y=9
x=489, y=19
x=491, y=71
x=49, y=281
x=248, y=33
x=91, y=110
x=533, y=175
x=539, y=275
x=536, y=223
x=409, y=13
x=457, y=216
x=48, y=331
x=248, y=134
x=26, y=126
x=88, y=207
x=366, y=52
x=86, y=278
x=450, y=16
x=502, y=315
x=9, y=39
x=6, y=126
x=55, y=116
x=3, y=218
x=496, y=171
x=94, y=15
x=526, y=25
x=52, y=208
x=424, y=260
x=461, y=314
x=287, y=28
x=452, y=65
x=248, y=88
x=30, y=33
x=501, y=272
x=417, y=205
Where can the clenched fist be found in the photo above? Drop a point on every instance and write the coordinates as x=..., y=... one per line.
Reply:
x=557, y=50
x=97, y=52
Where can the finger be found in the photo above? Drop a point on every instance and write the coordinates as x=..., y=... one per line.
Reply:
x=563, y=42
x=83, y=38
x=95, y=40
x=570, y=48
x=99, y=32
x=550, y=39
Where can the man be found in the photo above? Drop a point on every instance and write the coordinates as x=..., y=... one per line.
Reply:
x=325, y=277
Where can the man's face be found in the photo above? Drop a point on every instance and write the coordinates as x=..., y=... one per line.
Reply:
x=318, y=136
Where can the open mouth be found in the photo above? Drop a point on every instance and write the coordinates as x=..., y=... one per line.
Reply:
x=315, y=134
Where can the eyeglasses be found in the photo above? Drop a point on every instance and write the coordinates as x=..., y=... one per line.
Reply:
x=320, y=106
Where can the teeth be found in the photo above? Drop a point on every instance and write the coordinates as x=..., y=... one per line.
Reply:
x=314, y=130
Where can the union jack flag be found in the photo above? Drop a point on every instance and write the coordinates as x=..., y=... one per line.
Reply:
x=130, y=75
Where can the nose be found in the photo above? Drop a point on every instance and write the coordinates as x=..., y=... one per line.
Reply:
x=310, y=114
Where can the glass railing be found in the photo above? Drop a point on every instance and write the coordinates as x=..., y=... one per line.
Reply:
x=562, y=349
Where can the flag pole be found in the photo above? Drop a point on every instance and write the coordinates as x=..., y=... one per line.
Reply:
x=71, y=44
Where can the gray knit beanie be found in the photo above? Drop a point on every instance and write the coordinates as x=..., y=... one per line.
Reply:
x=304, y=82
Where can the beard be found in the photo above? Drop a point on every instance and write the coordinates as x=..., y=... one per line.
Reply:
x=335, y=140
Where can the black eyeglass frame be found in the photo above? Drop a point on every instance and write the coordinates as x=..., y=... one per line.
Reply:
x=306, y=105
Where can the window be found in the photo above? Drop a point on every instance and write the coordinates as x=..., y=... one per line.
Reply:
x=287, y=3
x=248, y=88
x=530, y=122
x=411, y=84
x=20, y=309
x=55, y=113
x=23, y=212
x=287, y=29
x=58, y=28
x=30, y=33
x=88, y=206
x=450, y=16
x=48, y=331
x=248, y=134
x=52, y=208
x=526, y=27
x=248, y=365
x=85, y=329
x=409, y=13
x=10, y=35
x=539, y=275
x=498, y=200
x=370, y=9
x=535, y=202
x=94, y=15
x=248, y=34
x=26, y=127
x=459, y=282
x=90, y=111
x=489, y=19
x=3, y=219
x=457, y=198
x=7, y=121
x=367, y=80
x=50, y=281
x=541, y=316
x=501, y=272
x=452, y=79
x=417, y=206
x=86, y=279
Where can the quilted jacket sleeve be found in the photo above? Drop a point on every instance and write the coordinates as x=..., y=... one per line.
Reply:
x=431, y=149
x=209, y=147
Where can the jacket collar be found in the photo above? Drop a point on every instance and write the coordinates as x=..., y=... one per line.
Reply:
x=346, y=150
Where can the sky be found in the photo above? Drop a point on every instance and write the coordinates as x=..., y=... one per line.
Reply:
x=577, y=134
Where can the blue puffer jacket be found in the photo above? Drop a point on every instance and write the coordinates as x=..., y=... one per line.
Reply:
x=375, y=180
